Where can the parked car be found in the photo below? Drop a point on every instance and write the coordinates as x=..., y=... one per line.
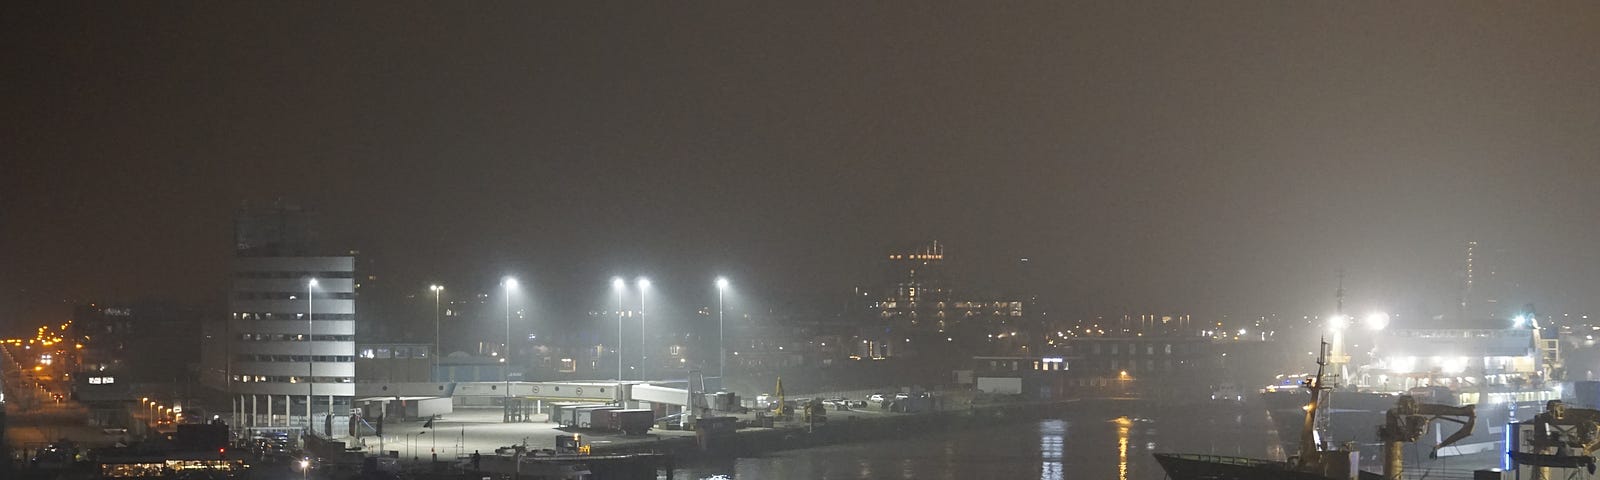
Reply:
x=875, y=398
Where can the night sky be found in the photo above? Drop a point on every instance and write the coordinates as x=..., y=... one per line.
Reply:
x=1214, y=158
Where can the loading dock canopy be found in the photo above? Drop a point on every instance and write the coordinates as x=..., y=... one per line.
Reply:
x=590, y=391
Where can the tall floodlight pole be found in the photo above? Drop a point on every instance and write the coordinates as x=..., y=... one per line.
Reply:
x=505, y=373
x=722, y=349
x=310, y=354
x=619, y=285
x=644, y=349
x=437, y=349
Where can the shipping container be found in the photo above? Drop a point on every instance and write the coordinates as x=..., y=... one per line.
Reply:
x=566, y=414
x=631, y=421
x=586, y=415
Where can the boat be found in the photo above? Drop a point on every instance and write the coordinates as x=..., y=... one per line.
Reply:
x=1317, y=460
x=1499, y=377
x=1184, y=466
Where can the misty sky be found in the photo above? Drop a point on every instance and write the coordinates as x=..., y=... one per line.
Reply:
x=1204, y=157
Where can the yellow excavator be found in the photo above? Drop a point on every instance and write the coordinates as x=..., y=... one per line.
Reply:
x=1562, y=438
x=1409, y=420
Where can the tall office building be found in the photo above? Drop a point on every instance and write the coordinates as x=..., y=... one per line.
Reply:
x=290, y=334
x=916, y=298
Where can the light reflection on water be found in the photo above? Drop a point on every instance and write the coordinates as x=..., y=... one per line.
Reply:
x=1124, y=425
x=1098, y=443
x=1052, y=435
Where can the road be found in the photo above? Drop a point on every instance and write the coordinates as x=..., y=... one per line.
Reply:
x=34, y=418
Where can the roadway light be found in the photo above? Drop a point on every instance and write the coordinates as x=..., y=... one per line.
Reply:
x=1336, y=323
x=311, y=285
x=436, y=289
x=505, y=372
x=722, y=349
x=618, y=284
x=644, y=349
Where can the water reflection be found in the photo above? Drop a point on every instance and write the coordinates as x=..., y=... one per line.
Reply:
x=1052, y=438
x=1075, y=445
x=1124, y=424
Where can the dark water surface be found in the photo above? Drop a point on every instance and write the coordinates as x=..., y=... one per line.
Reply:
x=1106, y=442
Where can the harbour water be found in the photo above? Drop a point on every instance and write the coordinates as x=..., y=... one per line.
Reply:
x=1108, y=442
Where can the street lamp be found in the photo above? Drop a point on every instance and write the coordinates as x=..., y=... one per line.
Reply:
x=722, y=349
x=436, y=348
x=311, y=285
x=619, y=285
x=644, y=348
x=505, y=372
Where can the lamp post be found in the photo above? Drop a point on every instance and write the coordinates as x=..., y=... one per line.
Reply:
x=505, y=372
x=722, y=349
x=437, y=349
x=310, y=354
x=644, y=348
x=618, y=284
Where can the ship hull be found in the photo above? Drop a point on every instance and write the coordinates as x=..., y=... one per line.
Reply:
x=1214, y=467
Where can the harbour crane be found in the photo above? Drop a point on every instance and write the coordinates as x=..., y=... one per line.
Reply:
x=1409, y=420
x=1562, y=438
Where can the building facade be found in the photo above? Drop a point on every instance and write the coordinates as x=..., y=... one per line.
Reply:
x=916, y=312
x=288, y=343
x=291, y=344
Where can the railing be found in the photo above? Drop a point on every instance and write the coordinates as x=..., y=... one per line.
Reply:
x=1242, y=461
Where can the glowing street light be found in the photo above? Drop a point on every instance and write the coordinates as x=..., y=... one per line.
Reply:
x=436, y=289
x=722, y=349
x=311, y=285
x=1377, y=321
x=618, y=284
x=644, y=349
x=1336, y=322
x=505, y=373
